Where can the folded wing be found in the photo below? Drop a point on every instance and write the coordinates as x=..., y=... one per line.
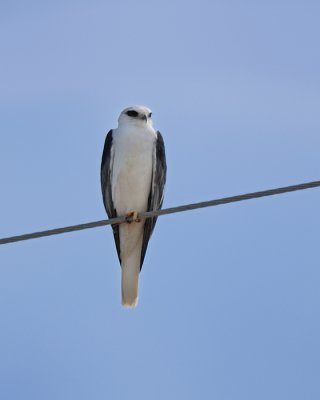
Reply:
x=106, y=185
x=156, y=191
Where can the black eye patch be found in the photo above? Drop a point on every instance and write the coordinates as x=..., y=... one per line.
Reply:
x=132, y=113
x=150, y=115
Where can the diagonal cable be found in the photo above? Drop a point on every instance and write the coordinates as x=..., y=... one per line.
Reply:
x=157, y=213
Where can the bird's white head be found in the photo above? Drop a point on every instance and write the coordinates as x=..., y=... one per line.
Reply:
x=136, y=115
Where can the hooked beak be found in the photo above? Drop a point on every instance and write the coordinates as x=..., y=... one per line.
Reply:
x=144, y=118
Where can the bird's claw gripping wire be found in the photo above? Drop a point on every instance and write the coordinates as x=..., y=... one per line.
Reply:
x=132, y=216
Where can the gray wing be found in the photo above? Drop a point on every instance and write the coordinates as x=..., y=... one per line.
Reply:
x=106, y=186
x=156, y=191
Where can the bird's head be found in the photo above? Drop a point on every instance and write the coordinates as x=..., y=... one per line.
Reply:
x=136, y=115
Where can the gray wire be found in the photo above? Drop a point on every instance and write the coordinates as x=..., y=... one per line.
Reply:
x=172, y=210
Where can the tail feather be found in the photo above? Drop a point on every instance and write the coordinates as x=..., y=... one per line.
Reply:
x=131, y=244
x=130, y=281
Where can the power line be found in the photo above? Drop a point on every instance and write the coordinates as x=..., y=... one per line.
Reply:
x=171, y=210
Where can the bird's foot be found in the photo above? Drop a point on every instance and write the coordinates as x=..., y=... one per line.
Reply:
x=132, y=216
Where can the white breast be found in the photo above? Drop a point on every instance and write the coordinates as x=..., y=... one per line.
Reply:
x=132, y=168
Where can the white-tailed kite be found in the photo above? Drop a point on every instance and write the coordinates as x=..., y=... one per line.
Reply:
x=133, y=177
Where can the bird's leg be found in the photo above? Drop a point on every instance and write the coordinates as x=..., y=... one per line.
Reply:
x=132, y=216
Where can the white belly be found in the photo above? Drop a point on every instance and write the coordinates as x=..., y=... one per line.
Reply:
x=131, y=183
x=132, y=169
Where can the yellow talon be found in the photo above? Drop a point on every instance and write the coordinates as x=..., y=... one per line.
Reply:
x=132, y=216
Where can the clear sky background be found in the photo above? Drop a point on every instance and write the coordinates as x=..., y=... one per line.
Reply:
x=229, y=296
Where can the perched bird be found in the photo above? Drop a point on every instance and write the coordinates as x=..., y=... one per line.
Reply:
x=133, y=177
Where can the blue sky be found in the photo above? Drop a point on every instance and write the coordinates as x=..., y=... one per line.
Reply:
x=229, y=296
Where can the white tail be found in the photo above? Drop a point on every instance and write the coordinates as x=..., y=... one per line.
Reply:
x=130, y=280
x=131, y=244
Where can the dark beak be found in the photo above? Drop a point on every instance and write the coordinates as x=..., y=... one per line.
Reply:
x=144, y=117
